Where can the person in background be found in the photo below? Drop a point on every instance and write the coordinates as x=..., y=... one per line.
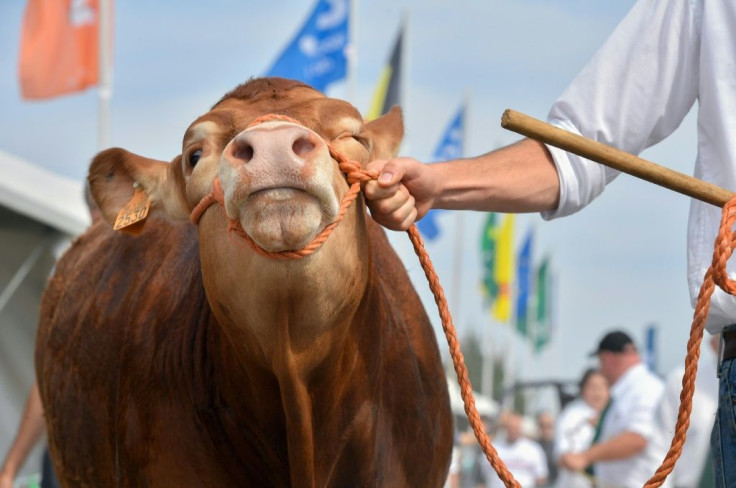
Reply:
x=622, y=453
x=576, y=425
x=523, y=457
x=453, y=473
x=663, y=57
x=30, y=433
x=694, y=469
x=470, y=459
x=546, y=440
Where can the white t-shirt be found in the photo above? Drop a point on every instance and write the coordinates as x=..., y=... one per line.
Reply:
x=573, y=433
x=665, y=55
x=634, y=400
x=524, y=459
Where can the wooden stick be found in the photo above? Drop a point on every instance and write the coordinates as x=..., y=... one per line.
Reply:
x=615, y=158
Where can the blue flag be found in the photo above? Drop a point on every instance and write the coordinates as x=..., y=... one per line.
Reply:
x=650, y=349
x=317, y=55
x=524, y=285
x=450, y=147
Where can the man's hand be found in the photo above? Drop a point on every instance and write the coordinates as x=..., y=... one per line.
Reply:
x=574, y=461
x=403, y=193
x=6, y=480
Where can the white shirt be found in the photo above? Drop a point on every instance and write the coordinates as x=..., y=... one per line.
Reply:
x=573, y=433
x=454, y=466
x=665, y=55
x=634, y=400
x=524, y=459
x=689, y=467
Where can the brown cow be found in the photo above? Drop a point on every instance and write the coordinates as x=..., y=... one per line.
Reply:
x=182, y=358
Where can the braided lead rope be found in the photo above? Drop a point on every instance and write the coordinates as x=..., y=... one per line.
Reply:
x=716, y=275
x=466, y=389
x=355, y=175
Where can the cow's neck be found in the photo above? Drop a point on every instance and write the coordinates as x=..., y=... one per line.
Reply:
x=279, y=306
x=296, y=322
x=319, y=418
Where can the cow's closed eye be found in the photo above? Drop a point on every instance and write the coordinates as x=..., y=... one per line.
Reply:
x=356, y=137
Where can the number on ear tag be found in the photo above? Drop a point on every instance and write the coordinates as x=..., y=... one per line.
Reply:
x=134, y=212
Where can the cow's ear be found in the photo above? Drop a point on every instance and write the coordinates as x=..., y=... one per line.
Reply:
x=386, y=134
x=119, y=179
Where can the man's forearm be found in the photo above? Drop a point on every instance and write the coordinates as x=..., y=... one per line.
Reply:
x=624, y=445
x=29, y=433
x=518, y=178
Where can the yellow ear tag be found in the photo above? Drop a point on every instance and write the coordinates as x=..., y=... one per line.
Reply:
x=133, y=215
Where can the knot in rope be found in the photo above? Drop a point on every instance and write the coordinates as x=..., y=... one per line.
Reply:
x=353, y=170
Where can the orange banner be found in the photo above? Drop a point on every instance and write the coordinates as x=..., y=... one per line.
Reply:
x=59, y=49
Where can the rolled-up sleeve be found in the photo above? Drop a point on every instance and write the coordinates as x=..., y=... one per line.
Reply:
x=635, y=91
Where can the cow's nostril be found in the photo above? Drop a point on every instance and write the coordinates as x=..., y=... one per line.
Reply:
x=245, y=153
x=302, y=146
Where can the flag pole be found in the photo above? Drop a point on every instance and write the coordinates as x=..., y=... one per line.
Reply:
x=488, y=368
x=457, y=264
x=105, y=83
x=404, y=80
x=457, y=261
x=352, y=50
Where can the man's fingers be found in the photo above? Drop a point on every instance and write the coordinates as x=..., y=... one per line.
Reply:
x=374, y=191
x=396, y=212
x=389, y=199
x=394, y=202
x=410, y=219
x=391, y=174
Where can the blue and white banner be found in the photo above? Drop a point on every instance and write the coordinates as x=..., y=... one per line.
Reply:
x=450, y=147
x=318, y=54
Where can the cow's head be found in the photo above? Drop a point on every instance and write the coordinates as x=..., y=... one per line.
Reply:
x=279, y=182
x=278, y=177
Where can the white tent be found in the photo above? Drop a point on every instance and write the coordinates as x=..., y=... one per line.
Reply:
x=39, y=212
x=44, y=196
x=486, y=406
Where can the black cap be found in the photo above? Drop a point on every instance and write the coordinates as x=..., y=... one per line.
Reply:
x=615, y=341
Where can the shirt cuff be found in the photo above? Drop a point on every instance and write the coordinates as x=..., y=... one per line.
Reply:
x=581, y=180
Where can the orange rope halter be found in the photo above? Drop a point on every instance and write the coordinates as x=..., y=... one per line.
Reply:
x=353, y=172
x=725, y=243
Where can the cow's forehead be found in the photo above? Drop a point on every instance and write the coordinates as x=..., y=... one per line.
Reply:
x=326, y=116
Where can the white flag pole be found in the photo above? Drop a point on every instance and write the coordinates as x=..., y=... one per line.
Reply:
x=457, y=261
x=352, y=51
x=105, y=81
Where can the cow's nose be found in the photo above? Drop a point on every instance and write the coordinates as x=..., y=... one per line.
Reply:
x=275, y=143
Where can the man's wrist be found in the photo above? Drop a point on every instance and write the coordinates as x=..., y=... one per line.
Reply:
x=590, y=455
x=451, y=187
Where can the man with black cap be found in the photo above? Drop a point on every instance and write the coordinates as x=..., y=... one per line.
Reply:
x=622, y=454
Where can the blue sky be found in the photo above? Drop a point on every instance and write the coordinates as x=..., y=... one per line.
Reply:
x=619, y=263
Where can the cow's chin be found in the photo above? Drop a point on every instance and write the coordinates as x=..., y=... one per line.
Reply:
x=282, y=219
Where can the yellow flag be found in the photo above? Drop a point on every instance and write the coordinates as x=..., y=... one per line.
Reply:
x=504, y=269
x=387, y=92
